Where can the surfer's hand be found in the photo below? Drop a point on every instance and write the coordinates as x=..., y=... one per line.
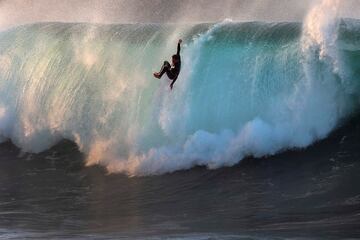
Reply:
x=180, y=41
x=171, y=86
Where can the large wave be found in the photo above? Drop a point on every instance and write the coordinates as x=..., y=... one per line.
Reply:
x=245, y=89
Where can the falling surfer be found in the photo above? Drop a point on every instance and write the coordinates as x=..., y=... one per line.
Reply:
x=172, y=71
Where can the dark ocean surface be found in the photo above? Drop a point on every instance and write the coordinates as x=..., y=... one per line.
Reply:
x=306, y=194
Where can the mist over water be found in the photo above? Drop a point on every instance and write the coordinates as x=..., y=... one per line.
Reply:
x=18, y=12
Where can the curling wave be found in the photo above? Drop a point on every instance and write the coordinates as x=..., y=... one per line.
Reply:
x=245, y=89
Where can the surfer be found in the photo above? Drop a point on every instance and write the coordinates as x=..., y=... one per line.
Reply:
x=172, y=71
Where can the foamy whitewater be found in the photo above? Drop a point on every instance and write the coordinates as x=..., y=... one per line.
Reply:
x=245, y=89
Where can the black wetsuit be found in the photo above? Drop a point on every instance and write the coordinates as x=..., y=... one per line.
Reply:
x=172, y=71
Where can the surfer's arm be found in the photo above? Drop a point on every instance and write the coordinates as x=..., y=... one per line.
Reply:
x=178, y=47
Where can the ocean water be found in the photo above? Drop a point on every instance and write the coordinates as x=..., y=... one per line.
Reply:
x=304, y=194
x=258, y=139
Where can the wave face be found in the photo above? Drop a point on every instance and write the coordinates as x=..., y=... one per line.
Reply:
x=245, y=89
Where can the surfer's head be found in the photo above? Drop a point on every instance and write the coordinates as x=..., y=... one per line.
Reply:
x=175, y=59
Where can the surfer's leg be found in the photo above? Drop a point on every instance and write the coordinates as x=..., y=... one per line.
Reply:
x=164, y=69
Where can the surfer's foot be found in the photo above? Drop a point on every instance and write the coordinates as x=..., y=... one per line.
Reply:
x=157, y=75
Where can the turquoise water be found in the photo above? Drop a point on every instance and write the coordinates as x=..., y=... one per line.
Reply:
x=245, y=89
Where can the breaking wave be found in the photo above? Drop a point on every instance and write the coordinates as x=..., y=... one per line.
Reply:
x=245, y=89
